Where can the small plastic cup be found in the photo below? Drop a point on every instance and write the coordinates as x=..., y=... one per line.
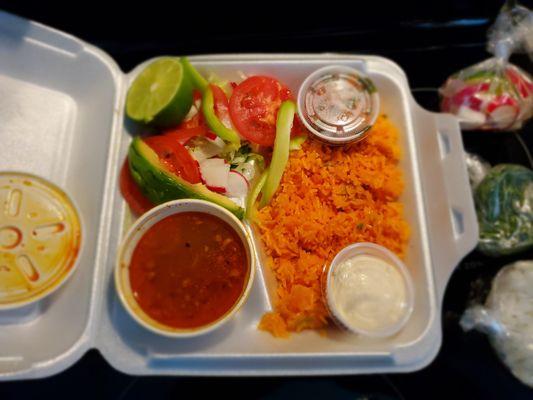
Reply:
x=40, y=240
x=132, y=238
x=375, y=250
x=338, y=104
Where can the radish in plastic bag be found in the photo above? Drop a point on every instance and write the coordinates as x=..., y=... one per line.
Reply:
x=507, y=318
x=491, y=95
x=495, y=94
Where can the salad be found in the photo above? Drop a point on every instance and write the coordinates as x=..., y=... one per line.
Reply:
x=224, y=142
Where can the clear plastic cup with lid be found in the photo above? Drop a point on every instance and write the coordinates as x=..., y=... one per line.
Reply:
x=368, y=295
x=338, y=104
x=40, y=239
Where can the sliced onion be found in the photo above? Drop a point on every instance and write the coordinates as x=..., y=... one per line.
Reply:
x=206, y=148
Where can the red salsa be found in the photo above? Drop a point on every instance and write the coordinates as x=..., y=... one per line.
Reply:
x=188, y=270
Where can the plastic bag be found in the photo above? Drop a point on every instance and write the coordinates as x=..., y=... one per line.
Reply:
x=477, y=169
x=491, y=95
x=495, y=94
x=512, y=31
x=507, y=318
x=504, y=206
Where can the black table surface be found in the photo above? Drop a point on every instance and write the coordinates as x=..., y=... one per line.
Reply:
x=429, y=40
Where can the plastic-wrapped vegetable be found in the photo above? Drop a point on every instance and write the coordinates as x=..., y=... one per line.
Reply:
x=495, y=94
x=504, y=205
x=507, y=318
x=490, y=95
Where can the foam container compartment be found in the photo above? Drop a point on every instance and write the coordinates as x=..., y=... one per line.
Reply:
x=61, y=107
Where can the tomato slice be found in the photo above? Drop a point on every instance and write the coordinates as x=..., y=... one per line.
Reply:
x=196, y=95
x=183, y=135
x=131, y=192
x=175, y=156
x=254, y=107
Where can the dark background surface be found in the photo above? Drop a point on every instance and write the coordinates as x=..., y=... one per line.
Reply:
x=429, y=40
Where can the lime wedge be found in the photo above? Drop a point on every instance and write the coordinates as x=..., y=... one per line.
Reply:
x=161, y=94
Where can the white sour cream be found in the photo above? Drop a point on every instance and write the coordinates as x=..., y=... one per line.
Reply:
x=368, y=294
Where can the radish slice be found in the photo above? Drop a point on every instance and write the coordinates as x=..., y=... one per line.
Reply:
x=216, y=189
x=469, y=96
x=464, y=96
x=238, y=186
x=501, y=101
x=503, y=113
x=215, y=173
x=470, y=119
x=210, y=135
x=243, y=177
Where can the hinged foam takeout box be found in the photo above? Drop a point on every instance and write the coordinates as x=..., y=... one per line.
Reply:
x=61, y=117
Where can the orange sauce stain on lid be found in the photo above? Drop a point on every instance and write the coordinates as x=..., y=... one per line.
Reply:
x=40, y=238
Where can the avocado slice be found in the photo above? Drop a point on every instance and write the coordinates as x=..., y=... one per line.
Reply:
x=160, y=185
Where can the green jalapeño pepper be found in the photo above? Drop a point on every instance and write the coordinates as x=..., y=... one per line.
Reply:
x=213, y=122
x=280, y=155
x=254, y=193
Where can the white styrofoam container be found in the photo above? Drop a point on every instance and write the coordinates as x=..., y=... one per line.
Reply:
x=61, y=113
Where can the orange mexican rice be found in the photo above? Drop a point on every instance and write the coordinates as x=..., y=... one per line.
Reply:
x=329, y=197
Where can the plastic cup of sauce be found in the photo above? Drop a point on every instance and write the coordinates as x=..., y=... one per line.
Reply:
x=368, y=290
x=338, y=104
x=40, y=239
